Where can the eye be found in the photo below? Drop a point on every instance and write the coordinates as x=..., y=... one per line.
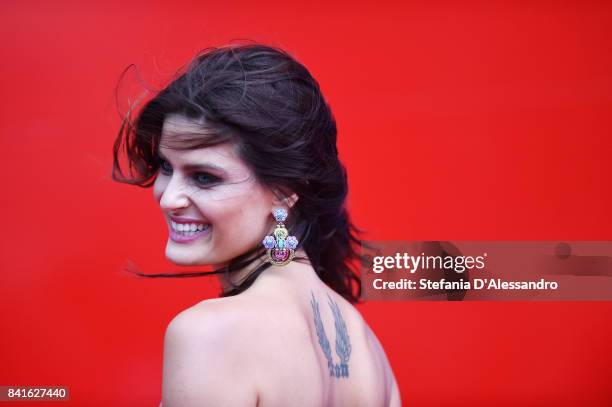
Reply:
x=204, y=178
x=164, y=167
x=201, y=178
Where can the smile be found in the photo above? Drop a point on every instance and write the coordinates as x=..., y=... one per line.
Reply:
x=187, y=232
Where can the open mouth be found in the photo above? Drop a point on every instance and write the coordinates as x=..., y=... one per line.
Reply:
x=182, y=232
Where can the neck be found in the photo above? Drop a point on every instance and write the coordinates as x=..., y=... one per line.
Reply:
x=229, y=280
x=292, y=270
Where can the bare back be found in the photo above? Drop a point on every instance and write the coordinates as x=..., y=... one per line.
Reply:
x=302, y=344
x=319, y=351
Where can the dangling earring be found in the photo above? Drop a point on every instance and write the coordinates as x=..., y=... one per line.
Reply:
x=281, y=248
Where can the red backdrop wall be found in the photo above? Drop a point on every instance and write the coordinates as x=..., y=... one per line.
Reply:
x=471, y=120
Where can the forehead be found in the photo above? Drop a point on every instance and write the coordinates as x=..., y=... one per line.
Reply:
x=176, y=126
x=179, y=124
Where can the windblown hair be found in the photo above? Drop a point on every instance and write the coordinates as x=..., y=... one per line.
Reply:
x=265, y=101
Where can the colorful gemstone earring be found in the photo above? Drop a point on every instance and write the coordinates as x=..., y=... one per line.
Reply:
x=281, y=248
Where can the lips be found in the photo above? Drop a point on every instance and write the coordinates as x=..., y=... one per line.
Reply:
x=184, y=219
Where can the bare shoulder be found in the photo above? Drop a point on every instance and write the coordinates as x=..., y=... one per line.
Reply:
x=205, y=354
x=219, y=313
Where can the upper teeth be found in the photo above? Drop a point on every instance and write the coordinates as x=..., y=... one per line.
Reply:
x=186, y=227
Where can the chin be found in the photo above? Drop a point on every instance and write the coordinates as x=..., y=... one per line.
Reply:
x=185, y=259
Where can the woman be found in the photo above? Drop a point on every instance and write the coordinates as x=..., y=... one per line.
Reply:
x=241, y=152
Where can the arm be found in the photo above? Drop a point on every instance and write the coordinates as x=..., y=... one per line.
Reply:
x=206, y=360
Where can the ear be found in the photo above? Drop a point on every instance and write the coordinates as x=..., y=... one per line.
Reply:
x=291, y=200
x=281, y=198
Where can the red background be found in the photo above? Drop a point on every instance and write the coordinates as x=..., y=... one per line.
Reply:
x=478, y=120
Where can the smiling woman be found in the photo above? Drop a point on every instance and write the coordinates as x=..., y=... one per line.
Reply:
x=211, y=200
x=241, y=152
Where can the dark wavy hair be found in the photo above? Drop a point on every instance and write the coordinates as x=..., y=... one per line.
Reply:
x=264, y=100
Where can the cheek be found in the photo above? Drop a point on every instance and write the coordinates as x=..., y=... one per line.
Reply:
x=242, y=221
x=229, y=218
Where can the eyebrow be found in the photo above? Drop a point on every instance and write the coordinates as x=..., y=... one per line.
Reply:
x=195, y=167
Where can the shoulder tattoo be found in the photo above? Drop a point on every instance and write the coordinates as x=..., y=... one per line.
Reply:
x=343, y=343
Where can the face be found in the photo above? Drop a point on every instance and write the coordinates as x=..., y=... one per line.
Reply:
x=217, y=193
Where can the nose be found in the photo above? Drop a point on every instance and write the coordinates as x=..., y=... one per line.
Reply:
x=175, y=195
